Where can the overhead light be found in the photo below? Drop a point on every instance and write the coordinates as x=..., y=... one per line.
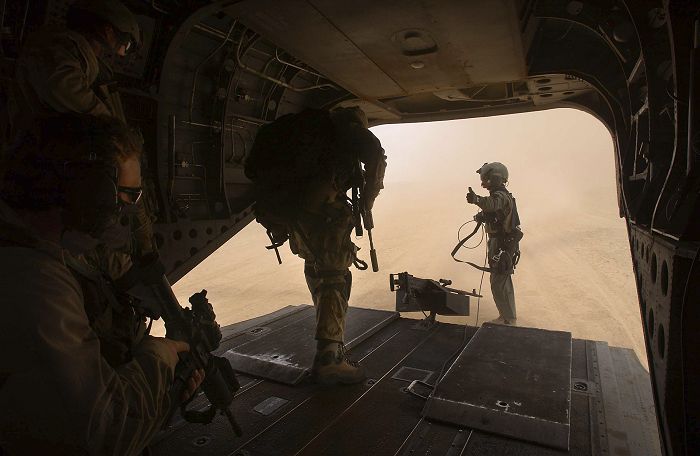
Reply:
x=417, y=64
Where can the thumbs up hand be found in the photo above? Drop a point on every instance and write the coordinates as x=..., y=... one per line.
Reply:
x=472, y=197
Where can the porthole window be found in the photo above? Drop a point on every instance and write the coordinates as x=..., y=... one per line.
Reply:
x=661, y=341
x=664, y=278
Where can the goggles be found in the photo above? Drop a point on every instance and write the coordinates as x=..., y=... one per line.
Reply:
x=89, y=169
x=132, y=194
x=127, y=40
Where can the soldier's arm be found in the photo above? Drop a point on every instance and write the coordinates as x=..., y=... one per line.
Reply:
x=60, y=81
x=498, y=202
x=65, y=391
x=372, y=155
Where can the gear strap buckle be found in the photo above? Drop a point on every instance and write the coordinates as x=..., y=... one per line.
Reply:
x=275, y=245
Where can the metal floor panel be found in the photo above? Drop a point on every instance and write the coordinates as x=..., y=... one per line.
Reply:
x=379, y=422
x=378, y=417
x=285, y=354
x=309, y=410
x=510, y=381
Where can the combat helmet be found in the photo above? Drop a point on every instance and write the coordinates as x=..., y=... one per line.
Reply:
x=116, y=14
x=496, y=172
x=349, y=115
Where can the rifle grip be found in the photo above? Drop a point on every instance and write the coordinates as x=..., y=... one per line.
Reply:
x=358, y=230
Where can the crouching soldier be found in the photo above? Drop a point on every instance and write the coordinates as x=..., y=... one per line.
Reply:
x=77, y=375
x=65, y=69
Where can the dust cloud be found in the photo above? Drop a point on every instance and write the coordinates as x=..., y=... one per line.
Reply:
x=575, y=273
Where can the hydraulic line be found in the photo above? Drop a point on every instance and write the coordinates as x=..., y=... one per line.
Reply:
x=274, y=80
x=206, y=59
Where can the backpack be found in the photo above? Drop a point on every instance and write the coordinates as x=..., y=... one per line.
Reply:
x=287, y=155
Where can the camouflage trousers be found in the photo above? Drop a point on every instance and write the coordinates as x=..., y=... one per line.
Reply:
x=504, y=295
x=502, y=282
x=330, y=292
x=323, y=240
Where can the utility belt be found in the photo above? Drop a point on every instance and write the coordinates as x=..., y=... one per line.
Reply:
x=311, y=271
x=507, y=251
x=509, y=240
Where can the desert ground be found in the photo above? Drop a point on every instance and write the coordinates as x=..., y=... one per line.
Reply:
x=575, y=273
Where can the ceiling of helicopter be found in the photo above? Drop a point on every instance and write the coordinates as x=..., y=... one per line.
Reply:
x=413, y=59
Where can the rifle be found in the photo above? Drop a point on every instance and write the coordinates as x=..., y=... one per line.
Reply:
x=196, y=326
x=361, y=214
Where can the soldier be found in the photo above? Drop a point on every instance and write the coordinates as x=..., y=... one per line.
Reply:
x=65, y=387
x=64, y=70
x=500, y=216
x=319, y=221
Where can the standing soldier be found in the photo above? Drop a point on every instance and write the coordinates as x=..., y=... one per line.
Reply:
x=303, y=166
x=500, y=216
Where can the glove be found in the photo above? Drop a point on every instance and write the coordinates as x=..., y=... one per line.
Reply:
x=472, y=197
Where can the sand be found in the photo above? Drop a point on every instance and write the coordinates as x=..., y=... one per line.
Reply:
x=576, y=270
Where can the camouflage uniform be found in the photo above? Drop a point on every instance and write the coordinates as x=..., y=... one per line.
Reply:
x=323, y=241
x=321, y=233
x=500, y=203
x=58, y=71
x=63, y=390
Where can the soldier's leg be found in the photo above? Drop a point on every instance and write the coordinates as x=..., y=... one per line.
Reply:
x=329, y=252
x=504, y=295
x=330, y=293
x=509, y=292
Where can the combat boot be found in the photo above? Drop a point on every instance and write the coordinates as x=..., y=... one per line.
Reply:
x=331, y=366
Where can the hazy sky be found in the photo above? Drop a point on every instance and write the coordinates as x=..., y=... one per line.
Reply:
x=552, y=156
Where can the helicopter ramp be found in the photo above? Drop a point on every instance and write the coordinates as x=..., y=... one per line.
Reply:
x=611, y=405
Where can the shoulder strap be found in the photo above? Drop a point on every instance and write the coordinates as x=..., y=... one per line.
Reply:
x=461, y=243
x=515, y=219
x=84, y=271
